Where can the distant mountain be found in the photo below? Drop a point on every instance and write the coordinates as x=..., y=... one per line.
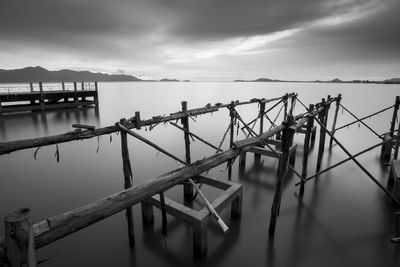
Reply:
x=259, y=80
x=336, y=80
x=393, y=80
x=39, y=74
x=169, y=80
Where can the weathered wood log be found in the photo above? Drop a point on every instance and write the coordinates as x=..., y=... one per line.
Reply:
x=83, y=126
x=8, y=147
x=128, y=182
x=19, y=240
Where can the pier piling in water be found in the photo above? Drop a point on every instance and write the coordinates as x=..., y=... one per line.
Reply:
x=151, y=193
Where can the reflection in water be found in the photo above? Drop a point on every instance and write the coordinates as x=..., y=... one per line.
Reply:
x=36, y=124
x=342, y=220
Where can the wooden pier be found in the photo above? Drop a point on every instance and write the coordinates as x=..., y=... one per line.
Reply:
x=40, y=97
x=191, y=174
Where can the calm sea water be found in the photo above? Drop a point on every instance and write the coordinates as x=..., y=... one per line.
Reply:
x=343, y=220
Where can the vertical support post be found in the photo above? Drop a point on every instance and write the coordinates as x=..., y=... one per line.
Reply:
x=187, y=187
x=321, y=117
x=200, y=238
x=236, y=206
x=242, y=163
x=19, y=241
x=285, y=106
x=257, y=157
x=292, y=102
x=306, y=149
x=63, y=86
x=232, y=131
x=128, y=181
x=83, y=89
x=339, y=98
x=96, y=94
x=138, y=121
x=75, y=93
x=287, y=136
x=41, y=99
x=32, y=101
x=395, y=110
x=396, y=146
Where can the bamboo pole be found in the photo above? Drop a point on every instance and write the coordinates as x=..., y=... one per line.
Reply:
x=128, y=182
x=339, y=98
x=359, y=164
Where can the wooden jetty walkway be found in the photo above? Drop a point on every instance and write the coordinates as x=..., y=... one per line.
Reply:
x=40, y=97
x=22, y=237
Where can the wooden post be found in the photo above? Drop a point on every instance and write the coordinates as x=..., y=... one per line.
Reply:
x=128, y=181
x=306, y=149
x=31, y=86
x=187, y=187
x=232, y=131
x=335, y=118
x=287, y=136
x=83, y=89
x=395, y=110
x=63, y=86
x=397, y=143
x=292, y=101
x=41, y=99
x=242, y=163
x=321, y=117
x=96, y=95
x=200, y=238
x=19, y=240
x=257, y=157
x=75, y=93
x=285, y=106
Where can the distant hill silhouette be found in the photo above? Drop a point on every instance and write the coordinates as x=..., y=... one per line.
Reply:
x=39, y=74
x=169, y=80
x=336, y=80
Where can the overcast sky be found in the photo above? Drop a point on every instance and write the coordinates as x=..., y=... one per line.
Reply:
x=205, y=39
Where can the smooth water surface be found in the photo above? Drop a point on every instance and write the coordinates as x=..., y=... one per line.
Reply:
x=343, y=220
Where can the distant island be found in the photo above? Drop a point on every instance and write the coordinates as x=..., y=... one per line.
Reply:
x=39, y=74
x=336, y=80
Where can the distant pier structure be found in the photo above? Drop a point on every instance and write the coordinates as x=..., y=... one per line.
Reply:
x=44, y=96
